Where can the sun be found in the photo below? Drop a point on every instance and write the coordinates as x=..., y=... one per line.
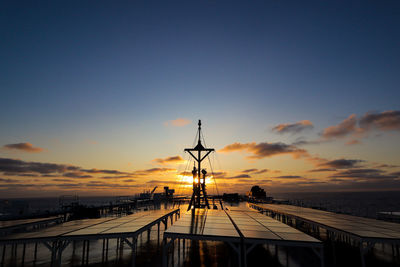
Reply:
x=187, y=181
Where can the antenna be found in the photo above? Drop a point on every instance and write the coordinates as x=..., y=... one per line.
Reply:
x=199, y=196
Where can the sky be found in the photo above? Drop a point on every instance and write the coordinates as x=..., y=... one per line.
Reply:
x=101, y=98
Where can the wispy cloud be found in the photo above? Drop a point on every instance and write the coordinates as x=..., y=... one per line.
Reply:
x=255, y=171
x=323, y=170
x=289, y=177
x=265, y=150
x=341, y=163
x=103, y=171
x=385, y=121
x=365, y=174
x=346, y=127
x=353, y=142
x=25, y=147
x=178, y=122
x=76, y=175
x=16, y=167
x=169, y=160
x=359, y=128
x=154, y=171
x=238, y=176
x=293, y=127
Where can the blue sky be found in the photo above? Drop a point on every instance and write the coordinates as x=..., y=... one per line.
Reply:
x=114, y=73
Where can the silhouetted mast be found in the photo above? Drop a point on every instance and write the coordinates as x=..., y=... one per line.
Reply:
x=199, y=188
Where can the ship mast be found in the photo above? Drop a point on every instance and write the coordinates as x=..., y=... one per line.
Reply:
x=199, y=196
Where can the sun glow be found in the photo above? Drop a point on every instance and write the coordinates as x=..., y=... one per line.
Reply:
x=187, y=181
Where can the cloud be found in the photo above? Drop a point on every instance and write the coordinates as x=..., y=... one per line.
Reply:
x=15, y=167
x=323, y=170
x=343, y=129
x=364, y=174
x=76, y=175
x=263, y=171
x=167, y=182
x=116, y=177
x=293, y=127
x=104, y=171
x=154, y=171
x=249, y=170
x=255, y=171
x=5, y=180
x=178, y=122
x=387, y=166
x=103, y=185
x=385, y=121
x=26, y=147
x=341, y=163
x=353, y=142
x=169, y=160
x=238, y=176
x=62, y=180
x=19, y=166
x=265, y=150
x=289, y=177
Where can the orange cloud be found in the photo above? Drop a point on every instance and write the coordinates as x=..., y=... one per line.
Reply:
x=293, y=127
x=178, y=122
x=385, y=121
x=173, y=160
x=26, y=147
x=343, y=129
x=265, y=150
x=154, y=171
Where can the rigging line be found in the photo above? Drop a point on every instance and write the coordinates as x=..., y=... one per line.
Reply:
x=212, y=171
x=219, y=165
x=216, y=187
x=183, y=176
x=195, y=138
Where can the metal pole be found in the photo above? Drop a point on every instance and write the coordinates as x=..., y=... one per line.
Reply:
x=179, y=251
x=362, y=254
x=87, y=252
x=104, y=246
x=83, y=252
x=3, y=256
x=183, y=244
x=107, y=250
x=35, y=254
x=164, y=253
x=23, y=254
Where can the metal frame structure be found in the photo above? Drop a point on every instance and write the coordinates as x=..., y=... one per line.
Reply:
x=241, y=244
x=363, y=242
x=7, y=227
x=57, y=244
x=199, y=188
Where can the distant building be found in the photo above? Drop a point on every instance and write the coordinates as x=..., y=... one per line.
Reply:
x=256, y=193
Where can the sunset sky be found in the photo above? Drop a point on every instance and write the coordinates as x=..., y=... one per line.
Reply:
x=101, y=98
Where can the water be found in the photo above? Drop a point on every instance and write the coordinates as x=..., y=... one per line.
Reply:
x=30, y=206
x=365, y=204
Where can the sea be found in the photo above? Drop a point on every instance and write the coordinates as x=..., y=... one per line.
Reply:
x=365, y=204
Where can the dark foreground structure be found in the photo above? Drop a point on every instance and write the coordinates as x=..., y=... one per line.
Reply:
x=241, y=229
x=360, y=232
x=57, y=238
